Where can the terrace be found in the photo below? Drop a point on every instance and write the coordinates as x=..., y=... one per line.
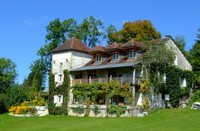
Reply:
x=122, y=80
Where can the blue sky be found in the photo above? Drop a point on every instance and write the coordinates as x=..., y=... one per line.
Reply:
x=23, y=22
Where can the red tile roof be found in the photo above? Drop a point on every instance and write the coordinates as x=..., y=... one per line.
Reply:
x=72, y=44
x=113, y=46
x=132, y=43
x=97, y=49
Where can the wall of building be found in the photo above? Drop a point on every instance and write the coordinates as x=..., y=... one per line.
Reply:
x=79, y=59
x=68, y=60
x=183, y=63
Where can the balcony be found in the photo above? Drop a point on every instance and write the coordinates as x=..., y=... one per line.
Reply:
x=122, y=80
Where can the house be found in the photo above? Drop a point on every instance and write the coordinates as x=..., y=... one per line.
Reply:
x=116, y=61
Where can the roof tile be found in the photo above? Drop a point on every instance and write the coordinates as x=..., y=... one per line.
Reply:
x=72, y=44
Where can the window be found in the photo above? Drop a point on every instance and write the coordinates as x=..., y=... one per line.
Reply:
x=98, y=57
x=115, y=56
x=117, y=99
x=183, y=82
x=131, y=54
x=60, y=78
x=176, y=60
x=58, y=99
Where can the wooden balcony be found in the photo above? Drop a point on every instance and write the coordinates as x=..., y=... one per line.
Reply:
x=122, y=80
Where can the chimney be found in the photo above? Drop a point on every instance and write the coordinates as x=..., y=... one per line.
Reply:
x=168, y=36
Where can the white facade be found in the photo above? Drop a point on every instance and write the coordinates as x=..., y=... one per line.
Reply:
x=180, y=59
x=66, y=60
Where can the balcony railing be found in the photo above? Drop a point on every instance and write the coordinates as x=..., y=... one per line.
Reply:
x=122, y=80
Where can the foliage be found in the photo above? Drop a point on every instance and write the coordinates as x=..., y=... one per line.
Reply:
x=116, y=110
x=91, y=30
x=7, y=74
x=158, y=60
x=196, y=95
x=62, y=89
x=90, y=91
x=158, y=57
x=36, y=78
x=145, y=104
x=194, y=59
x=51, y=105
x=138, y=30
x=23, y=108
x=15, y=95
x=96, y=110
x=111, y=30
x=78, y=110
x=145, y=86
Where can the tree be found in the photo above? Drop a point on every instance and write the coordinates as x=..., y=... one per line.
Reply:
x=194, y=58
x=55, y=36
x=8, y=74
x=138, y=30
x=92, y=31
x=111, y=30
x=36, y=77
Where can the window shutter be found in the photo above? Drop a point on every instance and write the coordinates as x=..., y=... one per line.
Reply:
x=55, y=100
x=61, y=100
x=56, y=77
x=184, y=82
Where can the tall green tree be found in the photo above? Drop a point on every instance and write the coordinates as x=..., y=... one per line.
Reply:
x=8, y=74
x=36, y=78
x=110, y=31
x=92, y=31
x=138, y=30
x=194, y=58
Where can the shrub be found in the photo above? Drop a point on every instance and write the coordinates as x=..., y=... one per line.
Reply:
x=78, y=110
x=19, y=109
x=117, y=110
x=145, y=104
x=96, y=110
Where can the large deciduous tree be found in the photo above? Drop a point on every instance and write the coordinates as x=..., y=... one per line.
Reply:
x=8, y=74
x=138, y=30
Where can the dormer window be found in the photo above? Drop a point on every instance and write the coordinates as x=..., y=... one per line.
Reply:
x=115, y=56
x=131, y=54
x=98, y=57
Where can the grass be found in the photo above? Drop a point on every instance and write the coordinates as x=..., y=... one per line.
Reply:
x=166, y=119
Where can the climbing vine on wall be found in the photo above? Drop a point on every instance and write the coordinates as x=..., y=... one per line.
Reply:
x=91, y=91
x=60, y=90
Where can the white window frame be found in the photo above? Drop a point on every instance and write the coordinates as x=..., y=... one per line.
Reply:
x=132, y=54
x=115, y=56
x=98, y=57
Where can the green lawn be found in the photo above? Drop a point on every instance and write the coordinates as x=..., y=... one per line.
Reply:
x=166, y=119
